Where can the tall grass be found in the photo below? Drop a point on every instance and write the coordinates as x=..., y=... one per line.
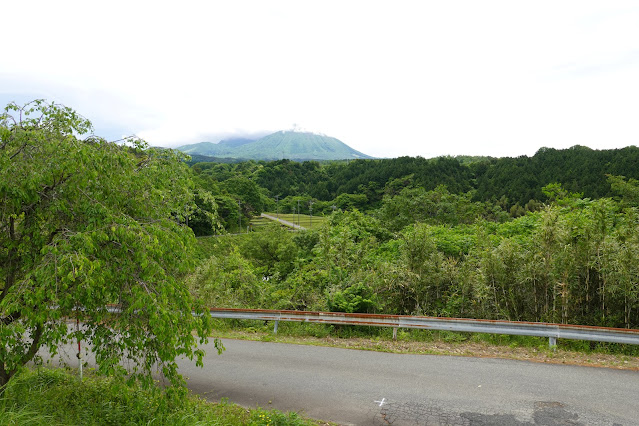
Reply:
x=57, y=397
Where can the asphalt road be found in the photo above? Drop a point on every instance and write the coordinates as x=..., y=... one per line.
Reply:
x=353, y=387
x=374, y=388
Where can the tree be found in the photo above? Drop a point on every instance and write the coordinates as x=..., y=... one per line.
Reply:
x=203, y=220
x=628, y=189
x=248, y=191
x=85, y=223
x=272, y=251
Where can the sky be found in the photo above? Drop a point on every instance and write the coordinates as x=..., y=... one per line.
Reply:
x=388, y=78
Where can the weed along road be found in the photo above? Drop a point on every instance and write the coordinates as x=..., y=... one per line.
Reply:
x=374, y=388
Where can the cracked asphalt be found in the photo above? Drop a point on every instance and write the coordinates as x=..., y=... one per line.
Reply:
x=353, y=387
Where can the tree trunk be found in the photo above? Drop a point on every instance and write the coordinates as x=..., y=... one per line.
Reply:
x=6, y=375
x=4, y=379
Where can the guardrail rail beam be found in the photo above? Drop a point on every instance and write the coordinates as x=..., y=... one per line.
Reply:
x=547, y=330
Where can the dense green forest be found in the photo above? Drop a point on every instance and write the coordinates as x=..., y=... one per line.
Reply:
x=549, y=238
x=511, y=185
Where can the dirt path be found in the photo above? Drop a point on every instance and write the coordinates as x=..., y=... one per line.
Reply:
x=284, y=222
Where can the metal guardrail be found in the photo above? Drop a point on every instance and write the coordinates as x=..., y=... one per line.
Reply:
x=551, y=331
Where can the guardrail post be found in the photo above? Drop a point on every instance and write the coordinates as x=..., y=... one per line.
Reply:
x=275, y=328
x=395, y=333
x=552, y=343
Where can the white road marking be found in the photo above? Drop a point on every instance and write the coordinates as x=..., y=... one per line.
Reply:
x=381, y=402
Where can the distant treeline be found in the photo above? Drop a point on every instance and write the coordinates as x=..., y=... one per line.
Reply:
x=513, y=184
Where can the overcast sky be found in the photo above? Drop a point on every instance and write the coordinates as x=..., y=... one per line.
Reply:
x=388, y=78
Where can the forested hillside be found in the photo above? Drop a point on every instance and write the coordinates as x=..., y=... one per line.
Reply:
x=512, y=185
x=549, y=238
x=574, y=261
x=578, y=169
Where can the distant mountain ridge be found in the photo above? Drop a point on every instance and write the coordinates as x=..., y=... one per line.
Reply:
x=292, y=145
x=235, y=142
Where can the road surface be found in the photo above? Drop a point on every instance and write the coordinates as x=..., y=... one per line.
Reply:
x=375, y=388
x=354, y=387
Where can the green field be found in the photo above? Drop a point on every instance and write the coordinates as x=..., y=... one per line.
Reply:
x=258, y=222
x=302, y=220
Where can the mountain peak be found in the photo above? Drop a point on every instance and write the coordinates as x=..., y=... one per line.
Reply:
x=295, y=144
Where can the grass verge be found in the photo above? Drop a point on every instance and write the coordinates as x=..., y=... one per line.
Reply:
x=56, y=397
x=408, y=341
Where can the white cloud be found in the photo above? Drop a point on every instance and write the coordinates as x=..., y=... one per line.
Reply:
x=387, y=78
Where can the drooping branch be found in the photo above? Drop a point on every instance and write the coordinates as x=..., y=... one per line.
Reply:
x=10, y=318
x=11, y=271
x=7, y=374
x=35, y=345
x=15, y=154
x=4, y=378
x=46, y=191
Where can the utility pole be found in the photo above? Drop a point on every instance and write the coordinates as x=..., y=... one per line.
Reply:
x=277, y=206
x=298, y=212
x=310, y=210
x=239, y=209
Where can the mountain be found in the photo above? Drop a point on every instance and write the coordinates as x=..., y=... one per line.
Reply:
x=235, y=142
x=292, y=145
x=202, y=148
x=223, y=149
